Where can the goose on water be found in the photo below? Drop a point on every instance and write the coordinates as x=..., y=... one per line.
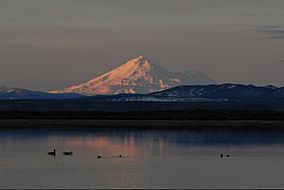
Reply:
x=68, y=153
x=52, y=153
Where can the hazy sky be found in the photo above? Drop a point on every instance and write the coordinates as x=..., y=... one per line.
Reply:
x=51, y=44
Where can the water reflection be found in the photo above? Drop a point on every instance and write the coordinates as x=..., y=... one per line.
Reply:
x=137, y=142
x=106, y=145
x=151, y=159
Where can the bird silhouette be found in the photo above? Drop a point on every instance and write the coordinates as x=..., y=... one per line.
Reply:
x=52, y=153
x=68, y=153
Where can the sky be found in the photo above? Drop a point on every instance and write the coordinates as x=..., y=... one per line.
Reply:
x=47, y=45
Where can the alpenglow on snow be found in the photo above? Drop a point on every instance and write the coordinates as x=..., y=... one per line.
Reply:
x=137, y=75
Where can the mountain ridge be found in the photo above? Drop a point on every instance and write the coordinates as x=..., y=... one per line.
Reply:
x=228, y=92
x=8, y=93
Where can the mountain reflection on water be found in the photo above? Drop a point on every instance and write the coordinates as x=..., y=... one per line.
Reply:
x=150, y=159
x=138, y=142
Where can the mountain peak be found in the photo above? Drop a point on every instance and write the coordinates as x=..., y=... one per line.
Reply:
x=140, y=62
x=140, y=57
x=138, y=75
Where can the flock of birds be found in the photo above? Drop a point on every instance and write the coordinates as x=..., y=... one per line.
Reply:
x=53, y=153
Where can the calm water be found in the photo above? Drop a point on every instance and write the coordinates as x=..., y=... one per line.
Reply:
x=151, y=159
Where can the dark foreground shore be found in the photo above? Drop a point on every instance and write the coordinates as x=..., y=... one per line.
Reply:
x=62, y=124
x=179, y=119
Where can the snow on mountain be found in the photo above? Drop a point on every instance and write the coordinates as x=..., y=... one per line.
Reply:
x=228, y=92
x=137, y=75
x=206, y=93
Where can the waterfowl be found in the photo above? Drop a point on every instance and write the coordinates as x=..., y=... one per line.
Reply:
x=52, y=153
x=221, y=155
x=120, y=156
x=68, y=153
x=99, y=156
x=228, y=155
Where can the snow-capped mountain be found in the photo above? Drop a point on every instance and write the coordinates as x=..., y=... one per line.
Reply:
x=138, y=75
x=7, y=93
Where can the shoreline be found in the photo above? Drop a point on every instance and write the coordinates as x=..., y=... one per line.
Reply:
x=89, y=124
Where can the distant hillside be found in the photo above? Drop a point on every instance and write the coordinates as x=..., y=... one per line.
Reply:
x=224, y=93
x=17, y=94
x=236, y=93
x=192, y=97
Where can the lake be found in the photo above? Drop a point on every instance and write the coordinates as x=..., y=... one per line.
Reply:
x=150, y=158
